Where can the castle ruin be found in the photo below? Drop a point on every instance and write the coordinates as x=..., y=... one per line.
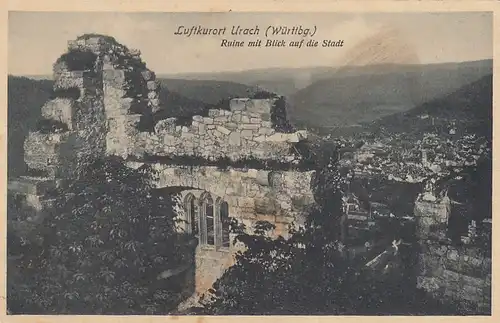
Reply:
x=106, y=97
x=105, y=103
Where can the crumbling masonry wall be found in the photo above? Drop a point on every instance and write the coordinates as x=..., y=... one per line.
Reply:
x=448, y=271
x=60, y=153
x=280, y=197
x=243, y=131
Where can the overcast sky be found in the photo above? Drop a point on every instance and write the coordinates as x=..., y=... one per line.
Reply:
x=36, y=40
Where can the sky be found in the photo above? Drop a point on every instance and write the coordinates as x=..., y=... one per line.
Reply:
x=37, y=39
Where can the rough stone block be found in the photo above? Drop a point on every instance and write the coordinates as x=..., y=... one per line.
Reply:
x=114, y=77
x=201, y=128
x=247, y=133
x=126, y=106
x=148, y=75
x=250, y=126
x=277, y=137
x=60, y=109
x=235, y=138
x=221, y=119
x=152, y=85
x=262, y=177
x=265, y=205
x=223, y=130
x=236, y=117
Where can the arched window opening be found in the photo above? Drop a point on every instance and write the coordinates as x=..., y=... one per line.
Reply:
x=224, y=220
x=207, y=223
x=209, y=212
x=191, y=214
x=213, y=222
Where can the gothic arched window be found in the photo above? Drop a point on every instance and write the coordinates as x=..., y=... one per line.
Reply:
x=213, y=220
x=224, y=221
x=191, y=214
x=207, y=228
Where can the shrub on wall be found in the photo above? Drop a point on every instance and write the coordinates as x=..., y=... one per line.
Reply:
x=78, y=60
x=279, y=117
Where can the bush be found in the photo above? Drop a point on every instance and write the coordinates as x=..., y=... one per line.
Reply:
x=78, y=60
x=109, y=236
x=279, y=117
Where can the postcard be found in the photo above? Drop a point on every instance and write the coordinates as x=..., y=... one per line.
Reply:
x=218, y=162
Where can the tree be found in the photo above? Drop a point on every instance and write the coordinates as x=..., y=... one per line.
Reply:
x=107, y=239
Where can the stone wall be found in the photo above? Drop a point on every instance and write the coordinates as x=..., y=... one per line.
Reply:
x=280, y=197
x=244, y=131
x=448, y=271
x=60, y=153
x=432, y=218
x=456, y=273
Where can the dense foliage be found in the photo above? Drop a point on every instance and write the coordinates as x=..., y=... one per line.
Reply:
x=78, y=60
x=279, y=117
x=102, y=249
